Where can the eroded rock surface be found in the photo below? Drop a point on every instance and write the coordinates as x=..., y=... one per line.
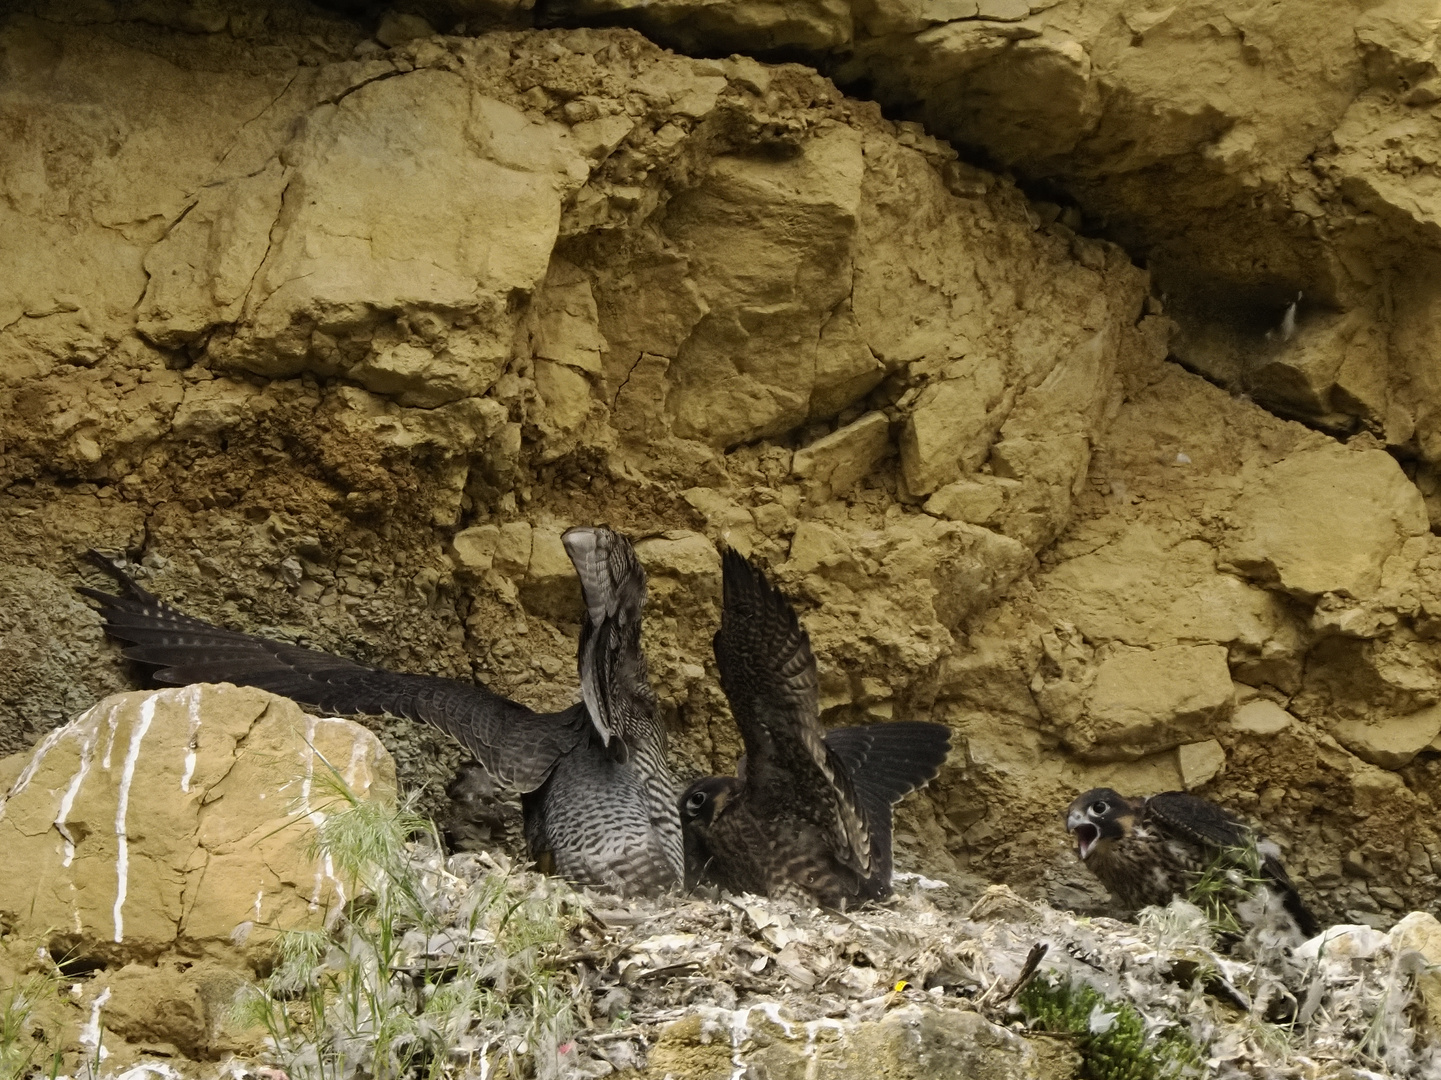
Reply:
x=178, y=821
x=343, y=331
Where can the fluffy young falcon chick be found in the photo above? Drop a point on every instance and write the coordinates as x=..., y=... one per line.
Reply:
x=1150, y=850
x=598, y=797
x=809, y=815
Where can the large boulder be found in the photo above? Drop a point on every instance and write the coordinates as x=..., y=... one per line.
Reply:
x=180, y=819
x=1325, y=520
x=1134, y=702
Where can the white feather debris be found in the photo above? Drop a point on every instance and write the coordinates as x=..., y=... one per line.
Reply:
x=1288, y=321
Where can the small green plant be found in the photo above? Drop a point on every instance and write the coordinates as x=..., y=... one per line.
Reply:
x=20, y=1049
x=1111, y=1036
x=1232, y=876
x=424, y=975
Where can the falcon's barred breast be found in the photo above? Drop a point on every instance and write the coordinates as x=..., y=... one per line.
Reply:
x=598, y=797
x=809, y=815
x=1152, y=850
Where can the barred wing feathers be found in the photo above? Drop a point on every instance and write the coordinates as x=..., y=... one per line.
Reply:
x=518, y=746
x=768, y=673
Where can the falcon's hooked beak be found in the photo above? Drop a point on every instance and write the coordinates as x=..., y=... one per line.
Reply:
x=1099, y=814
x=1087, y=835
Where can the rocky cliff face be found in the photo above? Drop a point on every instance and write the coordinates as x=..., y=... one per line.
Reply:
x=343, y=325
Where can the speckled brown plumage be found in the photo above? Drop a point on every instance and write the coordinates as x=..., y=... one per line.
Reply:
x=1151, y=850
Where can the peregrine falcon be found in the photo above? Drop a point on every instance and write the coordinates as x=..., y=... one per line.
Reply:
x=599, y=801
x=808, y=816
x=1150, y=850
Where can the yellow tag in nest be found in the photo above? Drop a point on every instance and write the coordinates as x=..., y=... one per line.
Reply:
x=901, y=986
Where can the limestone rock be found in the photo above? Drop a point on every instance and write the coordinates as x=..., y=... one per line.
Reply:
x=1142, y=588
x=1261, y=716
x=1325, y=520
x=567, y=325
x=746, y=26
x=767, y=236
x=834, y=463
x=551, y=587
x=322, y=276
x=1136, y=702
x=951, y=426
x=397, y=27
x=1071, y=86
x=564, y=393
x=1390, y=743
x=1332, y=370
x=914, y=1041
x=505, y=548
x=160, y=1003
x=180, y=819
x=977, y=500
x=1420, y=931
x=1200, y=762
x=683, y=572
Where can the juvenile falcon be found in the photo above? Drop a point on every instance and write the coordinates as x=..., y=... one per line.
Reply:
x=599, y=801
x=809, y=815
x=1150, y=850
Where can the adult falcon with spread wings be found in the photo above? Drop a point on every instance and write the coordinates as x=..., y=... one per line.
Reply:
x=1151, y=850
x=809, y=815
x=598, y=798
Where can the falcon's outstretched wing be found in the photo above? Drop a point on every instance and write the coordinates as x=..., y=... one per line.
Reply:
x=768, y=673
x=886, y=762
x=518, y=746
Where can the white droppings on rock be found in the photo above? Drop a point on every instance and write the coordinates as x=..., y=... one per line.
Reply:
x=28, y=773
x=67, y=802
x=192, y=701
x=89, y=1036
x=122, y=807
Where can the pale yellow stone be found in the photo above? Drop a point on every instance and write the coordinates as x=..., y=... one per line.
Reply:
x=1325, y=520
x=720, y=511
x=839, y=460
x=1260, y=716
x=1144, y=590
x=474, y=548
x=814, y=545
x=1421, y=932
x=950, y=427
x=1391, y=742
x=596, y=139
x=974, y=499
x=551, y=587
x=1143, y=701
x=565, y=392
x=567, y=325
x=846, y=369
x=217, y=839
x=683, y=572
x=513, y=548
x=1200, y=762
x=398, y=27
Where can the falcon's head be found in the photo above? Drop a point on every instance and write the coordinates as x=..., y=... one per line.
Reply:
x=1098, y=819
x=706, y=798
x=700, y=804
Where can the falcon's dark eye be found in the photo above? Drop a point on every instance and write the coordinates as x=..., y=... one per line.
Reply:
x=1099, y=807
x=696, y=800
